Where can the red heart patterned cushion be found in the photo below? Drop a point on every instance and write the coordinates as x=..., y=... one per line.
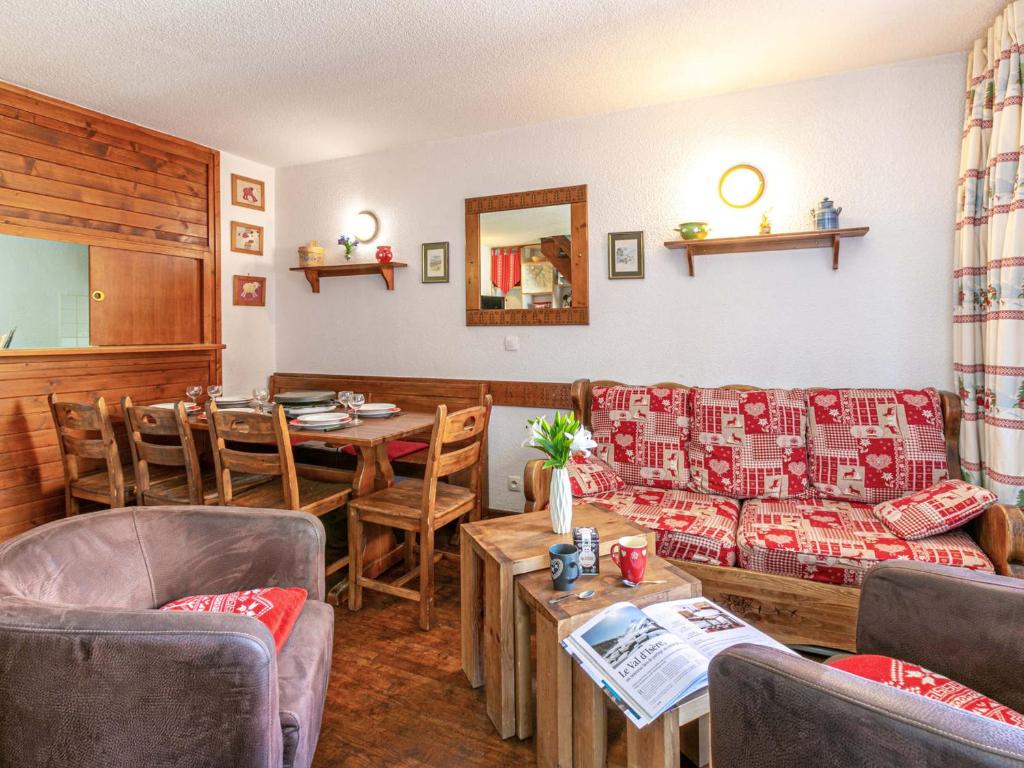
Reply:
x=588, y=476
x=937, y=509
x=277, y=607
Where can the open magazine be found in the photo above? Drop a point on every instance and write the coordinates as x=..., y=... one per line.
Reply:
x=649, y=660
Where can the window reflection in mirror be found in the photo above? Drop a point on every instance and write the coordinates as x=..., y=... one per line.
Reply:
x=44, y=293
x=525, y=260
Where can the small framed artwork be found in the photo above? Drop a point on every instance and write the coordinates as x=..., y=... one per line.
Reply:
x=625, y=255
x=435, y=263
x=249, y=291
x=246, y=238
x=538, y=277
x=247, y=193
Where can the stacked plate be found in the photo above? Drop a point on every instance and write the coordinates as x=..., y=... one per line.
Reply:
x=322, y=422
x=189, y=407
x=379, y=410
x=233, y=402
x=303, y=403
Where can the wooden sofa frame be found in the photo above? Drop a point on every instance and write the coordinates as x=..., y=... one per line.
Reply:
x=798, y=611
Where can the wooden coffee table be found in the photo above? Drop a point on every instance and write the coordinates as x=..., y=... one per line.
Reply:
x=568, y=702
x=494, y=552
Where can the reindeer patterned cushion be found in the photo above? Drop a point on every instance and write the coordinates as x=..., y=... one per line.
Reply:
x=872, y=445
x=940, y=508
x=745, y=444
x=641, y=434
x=590, y=475
x=837, y=542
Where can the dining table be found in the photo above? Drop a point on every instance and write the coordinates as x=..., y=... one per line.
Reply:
x=373, y=472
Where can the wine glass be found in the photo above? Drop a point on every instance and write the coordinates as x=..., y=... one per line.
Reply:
x=262, y=397
x=193, y=391
x=214, y=391
x=356, y=402
x=344, y=397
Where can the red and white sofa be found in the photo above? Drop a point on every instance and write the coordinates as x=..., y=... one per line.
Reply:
x=809, y=485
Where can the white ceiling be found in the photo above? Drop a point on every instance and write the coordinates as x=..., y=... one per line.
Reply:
x=294, y=81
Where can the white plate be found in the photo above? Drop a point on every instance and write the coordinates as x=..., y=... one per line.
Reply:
x=233, y=399
x=380, y=414
x=371, y=407
x=238, y=409
x=189, y=407
x=305, y=410
x=324, y=418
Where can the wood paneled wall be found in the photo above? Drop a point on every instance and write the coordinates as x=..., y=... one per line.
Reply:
x=70, y=174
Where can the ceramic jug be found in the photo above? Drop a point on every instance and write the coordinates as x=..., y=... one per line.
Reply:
x=826, y=215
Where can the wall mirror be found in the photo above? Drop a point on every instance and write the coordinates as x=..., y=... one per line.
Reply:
x=526, y=258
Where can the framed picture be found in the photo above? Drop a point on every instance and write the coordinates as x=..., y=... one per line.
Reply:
x=247, y=193
x=249, y=291
x=625, y=255
x=435, y=263
x=538, y=277
x=246, y=238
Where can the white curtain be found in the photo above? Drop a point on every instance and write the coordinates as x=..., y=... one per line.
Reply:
x=988, y=329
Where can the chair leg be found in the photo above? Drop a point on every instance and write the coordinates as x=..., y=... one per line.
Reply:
x=426, y=578
x=70, y=504
x=410, y=549
x=355, y=560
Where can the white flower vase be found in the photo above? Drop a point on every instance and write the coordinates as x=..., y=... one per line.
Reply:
x=560, y=501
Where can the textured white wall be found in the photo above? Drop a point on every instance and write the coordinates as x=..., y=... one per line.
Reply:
x=248, y=332
x=882, y=142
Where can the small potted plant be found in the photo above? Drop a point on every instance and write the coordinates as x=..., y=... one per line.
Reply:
x=559, y=440
x=348, y=243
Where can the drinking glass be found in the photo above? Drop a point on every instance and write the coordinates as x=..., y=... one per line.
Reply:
x=344, y=397
x=214, y=391
x=193, y=391
x=262, y=397
x=356, y=402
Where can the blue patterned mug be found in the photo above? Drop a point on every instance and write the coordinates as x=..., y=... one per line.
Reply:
x=565, y=566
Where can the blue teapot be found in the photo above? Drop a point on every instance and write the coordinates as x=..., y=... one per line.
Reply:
x=826, y=215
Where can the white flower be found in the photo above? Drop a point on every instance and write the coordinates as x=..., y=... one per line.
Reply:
x=532, y=440
x=582, y=442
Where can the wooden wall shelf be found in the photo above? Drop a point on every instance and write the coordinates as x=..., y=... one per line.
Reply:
x=387, y=271
x=788, y=241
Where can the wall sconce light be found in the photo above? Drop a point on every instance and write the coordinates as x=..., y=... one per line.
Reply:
x=367, y=227
x=741, y=186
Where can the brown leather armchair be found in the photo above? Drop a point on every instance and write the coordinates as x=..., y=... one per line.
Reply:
x=774, y=710
x=91, y=675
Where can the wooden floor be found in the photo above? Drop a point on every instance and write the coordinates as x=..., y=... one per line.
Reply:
x=398, y=697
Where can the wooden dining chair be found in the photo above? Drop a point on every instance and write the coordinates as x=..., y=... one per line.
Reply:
x=250, y=444
x=419, y=508
x=89, y=454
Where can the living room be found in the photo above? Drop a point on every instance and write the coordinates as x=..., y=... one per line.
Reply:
x=765, y=256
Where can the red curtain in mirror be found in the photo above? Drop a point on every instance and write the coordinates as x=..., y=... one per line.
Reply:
x=506, y=268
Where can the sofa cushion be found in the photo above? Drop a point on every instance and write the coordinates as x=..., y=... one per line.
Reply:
x=745, y=444
x=641, y=434
x=940, y=508
x=837, y=542
x=303, y=666
x=916, y=679
x=687, y=526
x=589, y=475
x=872, y=445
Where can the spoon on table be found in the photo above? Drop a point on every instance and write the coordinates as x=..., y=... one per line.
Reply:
x=629, y=583
x=581, y=596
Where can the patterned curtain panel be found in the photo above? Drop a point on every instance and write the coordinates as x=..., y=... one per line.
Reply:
x=506, y=268
x=988, y=329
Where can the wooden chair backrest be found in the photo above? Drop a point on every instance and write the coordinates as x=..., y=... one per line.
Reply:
x=86, y=441
x=582, y=390
x=172, y=445
x=235, y=435
x=457, y=443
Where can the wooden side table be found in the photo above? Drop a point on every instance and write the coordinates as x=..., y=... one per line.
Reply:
x=558, y=677
x=493, y=552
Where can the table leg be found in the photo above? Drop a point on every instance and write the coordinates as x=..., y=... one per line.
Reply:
x=589, y=722
x=471, y=608
x=524, y=669
x=656, y=746
x=554, y=699
x=379, y=549
x=499, y=648
x=695, y=738
x=385, y=475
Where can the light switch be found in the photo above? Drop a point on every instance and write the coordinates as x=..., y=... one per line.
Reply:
x=511, y=343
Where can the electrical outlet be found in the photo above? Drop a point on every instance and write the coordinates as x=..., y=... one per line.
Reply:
x=515, y=483
x=511, y=343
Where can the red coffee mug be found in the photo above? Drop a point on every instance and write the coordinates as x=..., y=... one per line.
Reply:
x=630, y=554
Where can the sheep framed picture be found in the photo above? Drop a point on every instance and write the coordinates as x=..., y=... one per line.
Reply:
x=249, y=291
x=246, y=238
x=247, y=193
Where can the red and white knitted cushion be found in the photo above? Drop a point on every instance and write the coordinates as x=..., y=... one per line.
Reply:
x=940, y=508
x=687, y=526
x=916, y=679
x=641, y=434
x=872, y=445
x=590, y=475
x=277, y=607
x=747, y=444
x=837, y=542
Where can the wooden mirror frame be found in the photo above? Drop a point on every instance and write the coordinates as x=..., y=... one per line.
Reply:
x=579, y=312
